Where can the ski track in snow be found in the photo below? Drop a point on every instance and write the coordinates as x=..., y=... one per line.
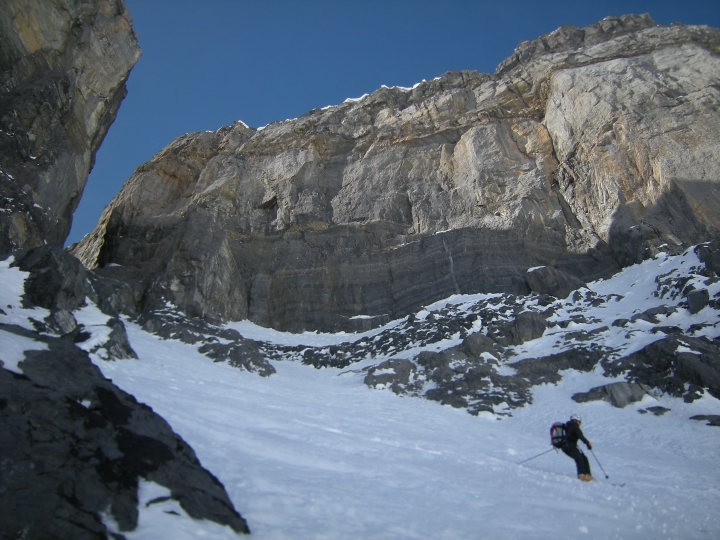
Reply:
x=316, y=454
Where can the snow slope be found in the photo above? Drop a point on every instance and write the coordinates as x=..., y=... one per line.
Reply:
x=315, y=454
x=312, y=453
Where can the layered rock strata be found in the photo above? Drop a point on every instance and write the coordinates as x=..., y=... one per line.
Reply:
x=487, y=353
x=63, y=67
x=588, y=149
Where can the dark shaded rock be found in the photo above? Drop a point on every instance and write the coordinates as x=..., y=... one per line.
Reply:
x=549, y=280
x=697, y=300
x=667, y=365
x=529, y=325
x=584, y=335
x=118, y=291
x=398, y=375
x=478, y=343
x=713, y=419
x=547, y=369
x=643, y=317
x=117, y=347
x=61, y=321
x=668, y=330
x=74, y=445
x=651, y=315
x=657, y=410
x=709, y=255
x=241, y=353
x=619, y=394
x=524, y=326
x=660, y=310
x=57, y=279
x=63, y=67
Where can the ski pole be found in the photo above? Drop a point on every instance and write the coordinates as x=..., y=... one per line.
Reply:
x=528, y=459
x=598, y=462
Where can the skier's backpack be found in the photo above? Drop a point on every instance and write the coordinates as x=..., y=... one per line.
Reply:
x=557, y=435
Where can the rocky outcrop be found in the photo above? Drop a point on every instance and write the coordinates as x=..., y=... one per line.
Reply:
x=619, y=394
x=75, y=447
x=588, y=149
x=681, y=366
x=63, y=67
x=549, y=280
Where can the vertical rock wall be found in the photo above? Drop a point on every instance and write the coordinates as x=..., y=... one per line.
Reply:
x=589, y=149
x=63, y=67
x=73, y=446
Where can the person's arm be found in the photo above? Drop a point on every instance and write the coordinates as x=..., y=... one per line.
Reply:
x=582, y=437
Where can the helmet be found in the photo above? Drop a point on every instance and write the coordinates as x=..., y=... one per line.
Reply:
x=576, y=417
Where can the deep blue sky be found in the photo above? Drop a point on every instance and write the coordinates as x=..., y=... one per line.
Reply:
x=207, y=63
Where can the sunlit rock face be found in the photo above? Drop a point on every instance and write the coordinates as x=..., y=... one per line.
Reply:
x=63, y=67
x=588, y=150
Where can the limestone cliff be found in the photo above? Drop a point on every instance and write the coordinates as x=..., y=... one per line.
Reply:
x=63, y=67
x=588, y=149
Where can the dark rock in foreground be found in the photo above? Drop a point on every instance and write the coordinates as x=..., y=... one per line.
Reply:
x=73, y=446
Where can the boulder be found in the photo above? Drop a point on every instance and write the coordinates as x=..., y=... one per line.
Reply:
x=709, y=255
x=478, y=343
x=57, y=279
x=524, y=326
x=618, y=394
x=117, y=346
x=398, y=375
x=697, y=299
x=657, y=410
x=549, y=280
x=712, y=419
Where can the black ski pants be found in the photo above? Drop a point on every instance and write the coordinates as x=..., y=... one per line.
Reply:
x=581, y=460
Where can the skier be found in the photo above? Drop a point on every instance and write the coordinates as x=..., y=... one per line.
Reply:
x=572, y=434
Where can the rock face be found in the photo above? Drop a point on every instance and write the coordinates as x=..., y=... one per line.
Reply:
x=548, y=280
x=63, y=67
x=589, y=149
x=74, y=447
x=486, y=353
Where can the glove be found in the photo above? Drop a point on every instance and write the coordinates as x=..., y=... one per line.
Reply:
x=589, y=445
